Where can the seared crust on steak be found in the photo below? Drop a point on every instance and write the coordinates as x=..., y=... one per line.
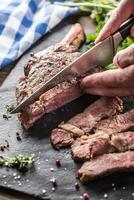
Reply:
x=84, y=122
x=106, y=164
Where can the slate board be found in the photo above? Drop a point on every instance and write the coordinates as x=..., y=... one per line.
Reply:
x=37, y=141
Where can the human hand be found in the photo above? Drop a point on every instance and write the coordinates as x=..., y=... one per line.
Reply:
x=118, y=82
x=119, y=15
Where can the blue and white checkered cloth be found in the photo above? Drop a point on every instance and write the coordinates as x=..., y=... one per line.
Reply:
x=23, y=22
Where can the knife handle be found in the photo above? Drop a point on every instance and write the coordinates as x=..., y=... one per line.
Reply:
x=125, y=29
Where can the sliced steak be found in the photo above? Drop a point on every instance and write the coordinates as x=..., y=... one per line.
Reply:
x=103, y=108
x=106, y=164
x=123, y=141
x=61, y=138
x=40, y=68
x=84, y=122
x=118, y=123
x=87, y=147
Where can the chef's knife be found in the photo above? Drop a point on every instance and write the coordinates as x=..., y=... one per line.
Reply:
x=100, y=55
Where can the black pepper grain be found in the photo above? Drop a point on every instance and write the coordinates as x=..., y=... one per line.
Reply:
x=2, y=147
x=32, y=54
x=5, y=116
x=18, y=137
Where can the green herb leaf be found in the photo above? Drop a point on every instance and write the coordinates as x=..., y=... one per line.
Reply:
x=9, y=107
x=21, y=163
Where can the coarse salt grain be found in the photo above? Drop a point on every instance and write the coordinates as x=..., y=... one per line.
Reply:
x=53, y=188
x=14, y=174
x=52, y=169
x=43, y=191
x=19, y=184
x=105, y=196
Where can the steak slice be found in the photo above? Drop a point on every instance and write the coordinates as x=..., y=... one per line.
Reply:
x=84, y=122
x=123, y=141
x=118, y=123
x=40, y=68
x=102, y=108
x=87, y=147
x=61, y=138
x=106, y=164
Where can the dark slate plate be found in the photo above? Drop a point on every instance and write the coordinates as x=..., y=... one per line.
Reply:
x=37, y=141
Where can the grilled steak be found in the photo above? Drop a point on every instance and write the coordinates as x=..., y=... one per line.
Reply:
x=118, y=123
x=40, y=68
x=123, y=141
x=84, y=122
x=61, y=138
x=87, y=147
x=106, y=164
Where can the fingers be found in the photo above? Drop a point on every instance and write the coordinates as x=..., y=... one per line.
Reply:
x=112, y=78
x=117, y=18
x=125, y=57
x=110, y=91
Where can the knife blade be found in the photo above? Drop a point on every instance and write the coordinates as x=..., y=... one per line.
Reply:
x=100, y=55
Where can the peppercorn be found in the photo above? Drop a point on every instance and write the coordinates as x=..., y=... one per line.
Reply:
x=77, y=186
x=32, y=54
x=85, y=196
x=2, y=147
x=18, y=137
x=58, y=163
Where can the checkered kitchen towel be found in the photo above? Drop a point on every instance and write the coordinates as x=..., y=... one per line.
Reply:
x=23, y=22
